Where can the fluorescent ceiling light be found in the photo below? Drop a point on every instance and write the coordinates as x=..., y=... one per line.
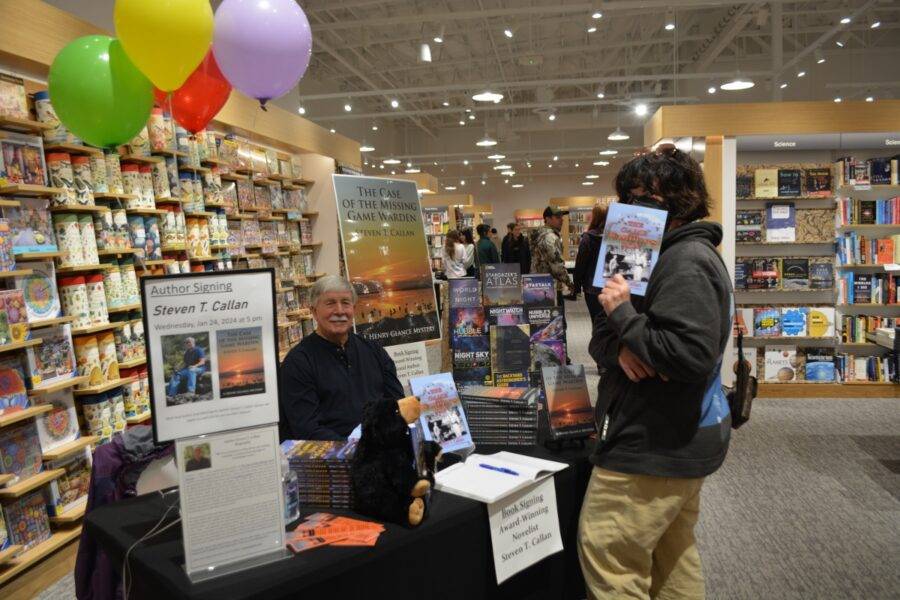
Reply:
x=842, y=40
x=641, y=109
x=874, y=21
x=592, y=176
x=486, y=142
x=587, y=183
x=502, y=167
x=424, y=53
x=439, y=38
x=737, y=84
x=608, y=152
x=301, y=110
x=391, y=161
x=508, y=173
x=366, y=148
x=601, y=163
x=670, y=20
x=597, y=15
x=461, y=122
x=450, y=188
x=412, y=170
x=845, y=20
x=592, y=29
x=618, y=135
x=472, y=116
x=801, y=74
x=518, y=185
x=820, y=58
x=496, y=157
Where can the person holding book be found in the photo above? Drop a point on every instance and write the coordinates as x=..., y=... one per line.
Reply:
x=327, y=380
x=547, y=254
x=586, y=260
x=664, y=422
x=486, y=249
x=454, y=256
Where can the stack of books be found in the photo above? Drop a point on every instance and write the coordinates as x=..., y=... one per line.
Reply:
x=502, y=416
x=323, y=470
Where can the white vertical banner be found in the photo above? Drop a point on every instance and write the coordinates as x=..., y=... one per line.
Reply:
x=411, y=361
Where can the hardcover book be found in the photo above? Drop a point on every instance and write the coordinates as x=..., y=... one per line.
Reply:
x=27, y=518
x=795, y=273
x=821, y=274
x=547, y=324
x=793, y=321
x=472, y=352
x=880, y=171
x=513, y=379
x=20, y=450
x=502, y=284
x=60, y=425
x=867, y=212
x=569, y=411
x=630, y=246
x=862, y=289
x=741, y=274
x=781, y=364
x=510, y=348
x=781, y=222
x=13, y=100
x=13, y=393
x=69, y=490
x=766, y=321
x=466, y=322
x=13, y=316
x=818, y=182
x=765, y=274
x=766, y=183
x=749, y=226
x=443, y=418
x=743, y=322
x=744, y=185
x=505, y=315
x=789, y=183
x=538, y=290
x=820, y=321
x=465, y=293
x=39, y=291
x=819, y=364
x=477, y=376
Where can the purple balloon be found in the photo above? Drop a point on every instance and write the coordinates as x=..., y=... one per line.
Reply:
x=263, y=47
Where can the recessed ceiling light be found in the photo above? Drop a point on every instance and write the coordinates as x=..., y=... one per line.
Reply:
x=518, y=185
x=450, y=188
x=348, y=107
x=870, y=98
x=393, y=172
x=366, y=148
x=670, y=20
x=592, y=29
x=394, y=103
x=486, y=142
x=301, y=110
x=820, y=58
x=601, y=93
x=461, y=122
x=711, y=89
x=845, y=20
x=587, y=183
x=838, y=99
x=502, y=167
x=618, y=135
x=641, y=110
x=874, y=21
x=577, y=165
x=842, y=40
x=374, y=127
x=486, y=96
x=801, y=73
x=597, y=15
x=508, y=33
x=424, y=53
x=472, y=117
x=438, y=39
x=408, y=164
x=783, y=85
x=608, y=152
x=528, y=164
x=555, y=158
x=331, y=130
x=592, y=176
x=391, y=161
x=496, y=157
x=483, y=181
x=551, y=117
x=737, y=84
x=446, y=103
x=462, y=182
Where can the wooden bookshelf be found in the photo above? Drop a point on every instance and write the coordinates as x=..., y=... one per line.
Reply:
x=38, y=255
x=57, y=385
x=84, y=268
x=103, y=196
x=199, y=213
x=165, y=152
x=156, y=263
x=807, y=389
x=20, y=345
x=73, y=149
x=72, y=515
x=784, y=199
x=104, y=387
x=10, y=203
x=21, y=415
x=877, y=267
x=138, y=419
x=147, y=160
x=871, y=227
x=23, y=486
x=174, y=248
x=194, y=169
x=5, y=478
x=50, y=322
x=134, y=362
x=149, y=212
x=70, y=448
x=169, y=200
x=34, y=191
x=233, y=177
x=124, y=308
x=869, y=187
x=81, y=208
x=119, y=252
x=30, y=557
x=886, y=306
x=16, y=273
x=9, y=553
x=24, y=125
x=96, y=328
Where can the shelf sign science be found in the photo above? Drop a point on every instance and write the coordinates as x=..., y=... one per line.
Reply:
x=383, y=239
x=212, y=351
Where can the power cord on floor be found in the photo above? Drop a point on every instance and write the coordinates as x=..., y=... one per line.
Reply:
x=154, y=531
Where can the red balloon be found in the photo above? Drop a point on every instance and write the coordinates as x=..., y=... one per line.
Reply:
x=160, y=97
x=200, y=97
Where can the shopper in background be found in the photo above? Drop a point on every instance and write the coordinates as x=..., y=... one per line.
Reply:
x=454, y=256
x=663, y=420
x=486, y=250
x=469, y=245
x=586, y=260
x=327, y=379
x=516, y=248
x=546, y=252
x=504, y=246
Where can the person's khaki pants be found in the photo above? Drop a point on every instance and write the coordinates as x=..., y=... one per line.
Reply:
x=636, y=536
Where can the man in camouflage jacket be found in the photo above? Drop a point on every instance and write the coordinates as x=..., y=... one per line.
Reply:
x=546, y=251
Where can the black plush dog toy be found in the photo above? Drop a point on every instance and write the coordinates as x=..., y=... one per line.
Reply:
x=386, y=481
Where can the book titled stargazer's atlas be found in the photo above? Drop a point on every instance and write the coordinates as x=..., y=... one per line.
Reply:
x=631, y=241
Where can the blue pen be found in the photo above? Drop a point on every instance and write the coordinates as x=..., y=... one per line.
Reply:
x=498, y=469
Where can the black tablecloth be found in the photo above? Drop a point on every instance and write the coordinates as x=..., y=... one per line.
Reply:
x=448, y=556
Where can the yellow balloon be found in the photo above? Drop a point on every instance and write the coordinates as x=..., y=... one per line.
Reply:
x=165, y=39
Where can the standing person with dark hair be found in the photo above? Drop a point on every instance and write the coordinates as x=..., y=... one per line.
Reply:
x=546, y=252
x=664, y=422
x=469, y=247
x=454, y=256
x=586, y=260
x=516, y=248
x=486, y=250
x=504, y=245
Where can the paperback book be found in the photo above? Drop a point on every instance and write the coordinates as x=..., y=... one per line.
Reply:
x=821, y=274
x=789, y=183
x=569, y=411
x=465, y=293
x=795, y=273
x=443, y=418
x=510, y=348
x=501, y=284
x=520, y=379
x=538, y=290
x=474, y=351
x=467, y=322
x=54, y=359
x=630, y=246
x=28, y=521
x=765, y=274
x=819, y=364
x=20, y=450
x=505, y=315
x=781, y=223
x=818, y=182
x=766, y=321
x=781, y=364
x=820, y=321
x=31, y=226
x=749, y=226
x=793, y=321
x=766, y=183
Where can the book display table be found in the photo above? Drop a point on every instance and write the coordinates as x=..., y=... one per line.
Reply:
x=448, y=556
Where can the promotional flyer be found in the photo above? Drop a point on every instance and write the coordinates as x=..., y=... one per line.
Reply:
x=212, y=352
x=387, y=262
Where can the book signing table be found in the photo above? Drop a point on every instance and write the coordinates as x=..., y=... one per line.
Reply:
x=448, y=556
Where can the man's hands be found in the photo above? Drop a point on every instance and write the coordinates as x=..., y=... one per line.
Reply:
x=635, y=369
x=614, y=293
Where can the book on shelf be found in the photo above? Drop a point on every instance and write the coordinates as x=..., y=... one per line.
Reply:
x=780, y=364
x=855, y=327
x=794, y=321
x=744, y=183
x=59, y=426
x=749, y=226
x=766, y=183
x=766, y=321
x=880, y=171
x=821, y=273
x=765, y=274
x=20, y=450
x=789, y=183
x=13, y=388
x=781, y=222
x=538, y=290
x=13, y=100
x=743, y=322
x=855, y=249
x=853, y=211
x=865, y=368
x=27, y=520
x=69, y=490
x=795, y=274
x=819, y=365
x=818, y=182
x=820, y=321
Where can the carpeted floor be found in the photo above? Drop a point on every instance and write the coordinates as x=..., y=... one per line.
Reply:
x=807, y=505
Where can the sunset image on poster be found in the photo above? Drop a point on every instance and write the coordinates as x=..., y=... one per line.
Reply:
x=240, y=358
x=387, y=259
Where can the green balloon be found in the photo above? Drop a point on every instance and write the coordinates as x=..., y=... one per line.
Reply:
x=98, y=93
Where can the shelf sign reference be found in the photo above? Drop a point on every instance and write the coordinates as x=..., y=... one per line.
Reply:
x=383, y=238
x=524, y=528
x=212, y=351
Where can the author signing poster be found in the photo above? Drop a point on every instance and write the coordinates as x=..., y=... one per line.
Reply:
x=212, y=352
x=387, y=260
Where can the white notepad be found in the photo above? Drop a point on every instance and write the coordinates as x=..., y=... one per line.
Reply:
x=488, y=478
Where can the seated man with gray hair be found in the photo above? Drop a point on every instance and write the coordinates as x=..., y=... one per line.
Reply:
x=327, y=379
